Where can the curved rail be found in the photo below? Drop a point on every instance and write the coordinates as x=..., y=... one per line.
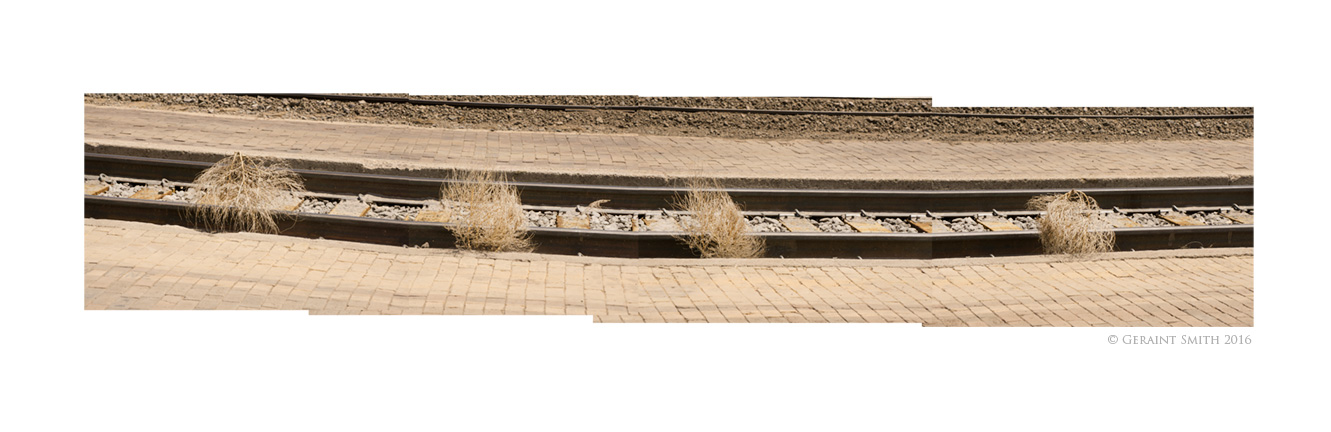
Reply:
x=666, y=245
x=652, y=198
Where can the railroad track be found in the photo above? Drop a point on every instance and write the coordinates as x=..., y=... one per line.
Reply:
x=896, y=224
x=570, y=107
x=655, y=198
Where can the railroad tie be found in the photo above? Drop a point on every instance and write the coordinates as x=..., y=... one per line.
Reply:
x=1121, y=221
x=660, y=225
x=930, y=226
x=1242, y=218
x=1180, y=219
x=94, y=187
x=867, y=225
x=563, y=220
x=442, y=216
x=799, y=225
x=289, y=202
x=350, y=208
x=152, y=193
x=999, y=225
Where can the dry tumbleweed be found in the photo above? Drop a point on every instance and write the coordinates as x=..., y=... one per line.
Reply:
x=491, y=213
x=1072, y=224
x=244, y=193
x=718, y=228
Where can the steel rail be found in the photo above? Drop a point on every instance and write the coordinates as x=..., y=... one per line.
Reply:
x=557, y=107
x=652, y=198
x=666, y=245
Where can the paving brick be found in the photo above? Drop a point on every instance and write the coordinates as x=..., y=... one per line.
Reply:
x=766, y=162
x=367, y=279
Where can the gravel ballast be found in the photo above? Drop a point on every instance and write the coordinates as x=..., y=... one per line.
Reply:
x=626, y=222
x=395, y=212
x=1149, y=220
x=833, y=225
x=600, y=221
x=1025, y=222
x=183, y=195
x=965, y=225
x=726, y=125
x=317, y=206
x=122, y=190
x=540, y=219
x=898, y=225
x=765, y=224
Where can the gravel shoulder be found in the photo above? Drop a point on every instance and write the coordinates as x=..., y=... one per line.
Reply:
x=721, y=125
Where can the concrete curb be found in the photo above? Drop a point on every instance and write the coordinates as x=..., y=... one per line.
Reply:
x=670, y=262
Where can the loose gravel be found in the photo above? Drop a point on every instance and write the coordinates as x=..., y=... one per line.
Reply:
x=540, y=219
x=317, y=205
x=1149, y=220
x=833, y=225
x=727, y=125
x=1025, y=222
x=1193, y=216
x=1215, y=218
x=898, y=225
x=613, y=222
x=965, y=225
x=667, y=223
x=122, y=190
x=395, y=212
x=188, y=195
x=766, y=224
x=609, y=222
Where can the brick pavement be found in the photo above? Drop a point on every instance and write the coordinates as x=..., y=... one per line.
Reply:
x=130, y=265
x=650, y=160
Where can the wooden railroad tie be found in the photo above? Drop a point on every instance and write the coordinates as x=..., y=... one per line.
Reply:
x=999, y=225
x=563, y=220
x=350, y=208
x=866, y=225
x=799, y=225
x=930, y=226
x=152, y=193
x=1180, y=219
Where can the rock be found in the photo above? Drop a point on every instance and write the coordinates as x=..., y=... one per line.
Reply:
x=833, y=224
x=898, y=225
x=966, y=225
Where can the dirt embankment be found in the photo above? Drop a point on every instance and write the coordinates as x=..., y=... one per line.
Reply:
x=727, y=125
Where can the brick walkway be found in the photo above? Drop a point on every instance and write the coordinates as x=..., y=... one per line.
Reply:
x=130, y=265
x=646, y=160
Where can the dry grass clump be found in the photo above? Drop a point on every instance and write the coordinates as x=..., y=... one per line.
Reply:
x=718, y=229
x=491, y=217
x=1072, y=224
x=245, y=193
